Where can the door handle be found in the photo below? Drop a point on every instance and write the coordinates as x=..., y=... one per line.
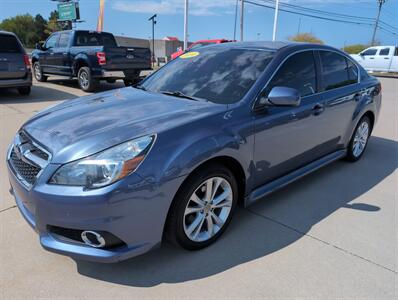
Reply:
x=318, y=109
x=371, y=58
x=386, y=58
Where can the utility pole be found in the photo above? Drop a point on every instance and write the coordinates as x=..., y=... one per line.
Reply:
x=242, y=10
x=186, y=9
x=236, y=18
x=153, y=35
x=275, y=20
x=381, y=2
x=299, y=26
x=100, y=23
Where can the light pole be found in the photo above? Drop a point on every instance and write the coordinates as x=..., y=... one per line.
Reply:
x=153, y=35
x=186, y=24
x=275, y=20
x=381, y=2
x=242, y=10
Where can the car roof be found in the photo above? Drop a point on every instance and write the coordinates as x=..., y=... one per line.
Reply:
x=7, y=33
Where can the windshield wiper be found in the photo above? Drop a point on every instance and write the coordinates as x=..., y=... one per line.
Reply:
x=139, y=86
x=180, y=95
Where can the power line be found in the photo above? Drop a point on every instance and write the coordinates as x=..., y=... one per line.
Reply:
x=364, y=23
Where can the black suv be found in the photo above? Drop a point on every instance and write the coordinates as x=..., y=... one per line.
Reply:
x=15, y=71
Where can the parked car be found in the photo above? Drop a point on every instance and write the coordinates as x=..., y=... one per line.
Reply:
x=378, y=59
x=90, y=56
x=15, y=71
x=109, y=176
x=199, y=44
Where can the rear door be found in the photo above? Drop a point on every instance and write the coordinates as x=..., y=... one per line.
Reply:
x=341, y=94
x=12, y=64
x=383, y=59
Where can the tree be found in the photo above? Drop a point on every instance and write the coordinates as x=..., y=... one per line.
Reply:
x=41, y=26
x=306, y=37
x=23, y=26
x=355, y=48
x=53, y=24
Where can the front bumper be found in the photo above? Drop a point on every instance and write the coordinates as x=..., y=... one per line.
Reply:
x=131, y=209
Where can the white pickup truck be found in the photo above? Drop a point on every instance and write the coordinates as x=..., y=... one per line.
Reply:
x=378, y=59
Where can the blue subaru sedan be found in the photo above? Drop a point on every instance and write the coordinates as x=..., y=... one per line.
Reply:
x=111, y=175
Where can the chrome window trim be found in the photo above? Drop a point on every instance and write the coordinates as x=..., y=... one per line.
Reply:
x=304, y=50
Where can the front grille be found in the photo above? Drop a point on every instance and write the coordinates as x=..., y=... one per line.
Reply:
x=27, y=159
x=26, y=171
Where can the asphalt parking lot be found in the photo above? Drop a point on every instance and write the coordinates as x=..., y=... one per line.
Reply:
x=332, y=234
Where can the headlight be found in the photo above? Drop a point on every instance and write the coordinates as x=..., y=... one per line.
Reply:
x=105, y=167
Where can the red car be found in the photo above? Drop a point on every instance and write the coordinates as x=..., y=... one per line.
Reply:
x=198, y=44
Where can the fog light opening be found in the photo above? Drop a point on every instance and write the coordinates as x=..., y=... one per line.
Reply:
x=93, y=239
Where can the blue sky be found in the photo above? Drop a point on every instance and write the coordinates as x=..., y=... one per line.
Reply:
x=215, y=18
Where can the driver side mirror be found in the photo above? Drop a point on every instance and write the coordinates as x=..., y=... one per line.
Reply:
x=39, y=46
x=280, y=96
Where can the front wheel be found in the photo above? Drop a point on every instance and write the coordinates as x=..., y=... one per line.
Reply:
x=359, y=139
x=86, y=81
x=203, y=208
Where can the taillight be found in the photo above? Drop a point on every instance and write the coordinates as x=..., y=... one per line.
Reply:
x=101, y=58
x=26, y=61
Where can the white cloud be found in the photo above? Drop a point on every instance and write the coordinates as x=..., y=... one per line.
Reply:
x=169, y=7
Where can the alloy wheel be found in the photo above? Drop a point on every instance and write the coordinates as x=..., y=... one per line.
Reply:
x=83, y=80
x=360, y=139
x=208, y=209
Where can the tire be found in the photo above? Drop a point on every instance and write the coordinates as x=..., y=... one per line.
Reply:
x=38, y=72
x=183, y=228
x=85, y=80
x=359, y=139
x=24, y=90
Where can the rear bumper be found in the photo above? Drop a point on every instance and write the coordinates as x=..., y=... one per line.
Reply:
x=14, y=83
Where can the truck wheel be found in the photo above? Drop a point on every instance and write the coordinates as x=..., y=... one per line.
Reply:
x=38, y=72
x=86, y=82
x=24, y=90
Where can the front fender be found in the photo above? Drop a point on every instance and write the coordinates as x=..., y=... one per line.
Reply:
x=180, y=151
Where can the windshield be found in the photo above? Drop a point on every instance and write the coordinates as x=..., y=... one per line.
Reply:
x=217, y=74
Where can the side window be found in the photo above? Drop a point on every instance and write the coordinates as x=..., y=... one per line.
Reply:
x=369, y=52
x=384, y=51
x=297, y=72
x=335, y=71
x=352, y=71
x=52, y=41
x=63, y=40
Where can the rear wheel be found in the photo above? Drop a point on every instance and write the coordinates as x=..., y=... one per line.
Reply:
x=38, y=72
x=359, y=139
x=86, y=82
x=25, y=90
x=203, y=208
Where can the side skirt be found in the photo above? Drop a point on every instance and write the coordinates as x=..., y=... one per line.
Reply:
x=276, y=184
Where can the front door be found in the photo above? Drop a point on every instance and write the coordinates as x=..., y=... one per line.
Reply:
x=47, y=58
x=287, y=138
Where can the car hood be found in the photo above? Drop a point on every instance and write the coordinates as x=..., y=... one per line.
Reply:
x=81, y=127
